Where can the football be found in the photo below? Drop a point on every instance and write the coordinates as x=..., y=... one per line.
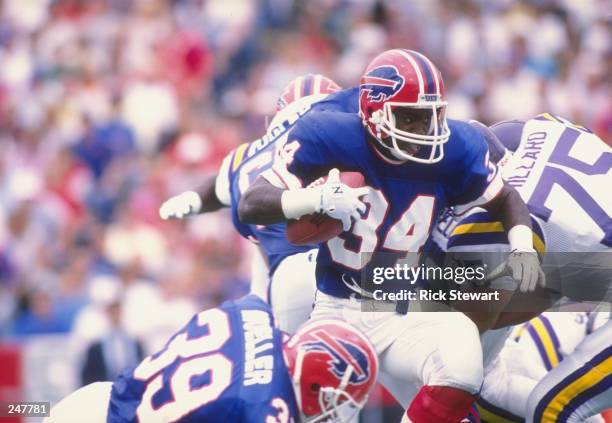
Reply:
x=318, y=227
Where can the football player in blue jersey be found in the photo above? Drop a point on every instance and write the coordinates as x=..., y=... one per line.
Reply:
x=232, y=364
x=415, y=163
x=286, y=278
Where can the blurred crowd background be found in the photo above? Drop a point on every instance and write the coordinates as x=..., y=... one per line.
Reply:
x=108, y=107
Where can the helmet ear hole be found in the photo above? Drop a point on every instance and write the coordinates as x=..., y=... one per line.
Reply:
x=315, y=387
x=375, y=117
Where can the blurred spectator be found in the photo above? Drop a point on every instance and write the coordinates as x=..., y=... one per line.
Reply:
x=100, y=144
x=106, y=358
x=37, y=314
x=192, y=60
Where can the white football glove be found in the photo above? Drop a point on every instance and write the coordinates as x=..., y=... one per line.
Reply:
x=181, y=205
x=524, y=267
x=340, y=201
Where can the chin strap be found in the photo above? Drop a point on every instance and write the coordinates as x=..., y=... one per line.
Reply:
x=375, y=119
x=378, y=138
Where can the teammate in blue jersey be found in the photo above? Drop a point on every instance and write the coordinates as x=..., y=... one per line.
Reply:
x=231, y=364
x=415, y=164
x=286, y=277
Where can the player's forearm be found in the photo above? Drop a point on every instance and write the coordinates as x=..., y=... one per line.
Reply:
x=261, y=204
x=191, y=202
x=512, y=211
x=524, y=307
x=210, y=201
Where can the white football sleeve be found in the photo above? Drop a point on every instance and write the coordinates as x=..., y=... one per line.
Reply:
x=222, y=183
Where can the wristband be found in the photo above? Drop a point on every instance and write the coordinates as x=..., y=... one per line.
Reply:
x=521, y=238
x=299, y=202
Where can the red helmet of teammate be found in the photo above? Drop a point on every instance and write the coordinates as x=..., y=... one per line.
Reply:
x=401, y=102
x=333, y=368
x=304, y=86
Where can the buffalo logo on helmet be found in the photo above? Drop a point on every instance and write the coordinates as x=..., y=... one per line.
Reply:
x=382, y=83
x=341, y=353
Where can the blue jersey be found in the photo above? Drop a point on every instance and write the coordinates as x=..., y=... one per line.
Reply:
x=404, y=199
x=225, y=365
x=243, y=165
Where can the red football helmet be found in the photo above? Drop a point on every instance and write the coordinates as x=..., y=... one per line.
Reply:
x=333, y=368
x=398, y=88
x=304, y=86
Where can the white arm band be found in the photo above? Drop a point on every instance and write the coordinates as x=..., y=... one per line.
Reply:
x=222, y=182
x=521, y=238
x=299, y=202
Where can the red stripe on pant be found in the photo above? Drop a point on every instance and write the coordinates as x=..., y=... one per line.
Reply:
x=440, y=404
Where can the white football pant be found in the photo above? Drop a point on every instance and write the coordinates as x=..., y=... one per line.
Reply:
x=580, y=386
x=86, y=404
x=292, y=290
x=415, y=349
